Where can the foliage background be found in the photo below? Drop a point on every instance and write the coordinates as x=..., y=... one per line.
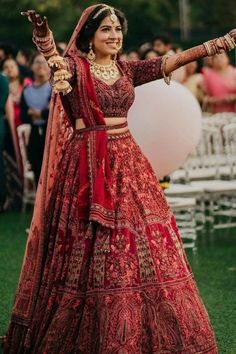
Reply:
x=147, y=18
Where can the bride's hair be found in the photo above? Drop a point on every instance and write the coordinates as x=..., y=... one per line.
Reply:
x=92, y=24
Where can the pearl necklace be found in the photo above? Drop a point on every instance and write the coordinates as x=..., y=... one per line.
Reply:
x=104, y=72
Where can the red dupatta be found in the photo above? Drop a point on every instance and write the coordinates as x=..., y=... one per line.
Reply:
x=95, y=201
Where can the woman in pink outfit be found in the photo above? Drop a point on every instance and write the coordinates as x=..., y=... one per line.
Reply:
x=16, y=85
x=219, y=85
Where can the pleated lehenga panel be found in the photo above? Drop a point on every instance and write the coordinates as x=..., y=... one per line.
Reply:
x=131, y=292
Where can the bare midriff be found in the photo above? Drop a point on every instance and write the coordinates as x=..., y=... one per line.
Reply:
x=79, y=124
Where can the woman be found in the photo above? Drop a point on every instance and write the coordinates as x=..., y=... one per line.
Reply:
x=149, y=54
x=16, y=86
x=193, y=80
x=34, y=111
x=24, y=59
x=219, y=85
x=104, y=271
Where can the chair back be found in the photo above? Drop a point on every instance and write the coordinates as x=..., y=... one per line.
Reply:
x=23, y=132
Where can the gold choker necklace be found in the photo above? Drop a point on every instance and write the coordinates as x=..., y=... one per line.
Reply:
x=104, y=72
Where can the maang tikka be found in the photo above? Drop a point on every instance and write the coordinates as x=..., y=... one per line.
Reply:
x=113, y=16
x=91, y=55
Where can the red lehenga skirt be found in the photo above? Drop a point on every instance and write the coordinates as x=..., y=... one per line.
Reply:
x=131, y=294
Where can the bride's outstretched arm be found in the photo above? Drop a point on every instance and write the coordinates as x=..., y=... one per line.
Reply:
x=43, y=38
x=210, y=48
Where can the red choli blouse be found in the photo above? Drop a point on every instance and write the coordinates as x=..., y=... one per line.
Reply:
x=116, y=99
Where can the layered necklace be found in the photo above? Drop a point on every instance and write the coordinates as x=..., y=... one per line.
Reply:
x=104, y=72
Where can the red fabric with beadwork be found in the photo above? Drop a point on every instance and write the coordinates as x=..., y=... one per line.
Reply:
x=95, y=202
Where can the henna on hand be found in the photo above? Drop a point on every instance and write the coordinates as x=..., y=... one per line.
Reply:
x=43, y=39
x=40, y=25
x=177, y=60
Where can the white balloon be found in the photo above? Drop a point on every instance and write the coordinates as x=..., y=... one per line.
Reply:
x=166, y=123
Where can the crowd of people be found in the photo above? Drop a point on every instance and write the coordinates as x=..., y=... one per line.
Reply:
x=25, y=93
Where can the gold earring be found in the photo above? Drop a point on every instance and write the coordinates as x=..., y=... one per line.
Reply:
x=91, y=55
x=120, y=46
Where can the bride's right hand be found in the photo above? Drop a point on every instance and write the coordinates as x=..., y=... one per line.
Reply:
x=40, y=25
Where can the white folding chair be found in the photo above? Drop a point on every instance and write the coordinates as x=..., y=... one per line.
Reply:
x=29, y=188
x=176, y=190
x=184, y=210
x=205, y=162
x=229, y=134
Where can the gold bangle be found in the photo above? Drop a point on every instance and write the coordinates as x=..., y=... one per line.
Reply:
x=230, y=41
x=166, y=78
x=227, y=44
x=47, y=47
x=208, y=48
x=45, y=44
x=217, y=49
x=224, y=47
x=49, y=53
x=233, y=40
x=42, y=39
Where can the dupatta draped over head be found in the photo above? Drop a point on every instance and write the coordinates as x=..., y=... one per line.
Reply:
x=95, y=203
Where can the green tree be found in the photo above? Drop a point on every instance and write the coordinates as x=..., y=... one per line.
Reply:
x=146, y=18
x=213, y=15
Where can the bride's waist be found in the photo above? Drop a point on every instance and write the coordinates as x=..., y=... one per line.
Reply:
x=113, y=125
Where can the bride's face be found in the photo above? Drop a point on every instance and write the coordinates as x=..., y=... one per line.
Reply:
x=108, y=38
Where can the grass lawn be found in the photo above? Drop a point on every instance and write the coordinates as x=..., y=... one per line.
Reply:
x=214, y=267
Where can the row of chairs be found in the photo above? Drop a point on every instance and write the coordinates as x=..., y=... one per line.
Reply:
x=206, y=183
x=214, y=157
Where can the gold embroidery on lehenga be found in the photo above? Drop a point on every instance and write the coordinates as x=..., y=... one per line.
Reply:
x=170, y=332
x=101, y=247
x=122, y=266
x=146, y=264
x=73, y=275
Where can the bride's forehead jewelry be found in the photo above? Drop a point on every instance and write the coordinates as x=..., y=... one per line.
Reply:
x=113, y=16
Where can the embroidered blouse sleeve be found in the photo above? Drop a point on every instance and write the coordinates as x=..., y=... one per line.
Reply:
x=71, y=68
x=143, y=71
